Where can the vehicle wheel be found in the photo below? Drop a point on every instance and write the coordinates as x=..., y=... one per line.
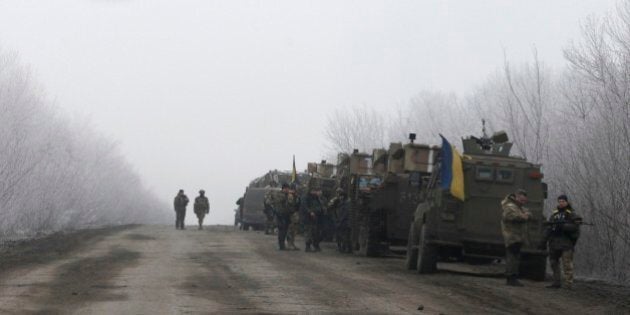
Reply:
x=533, y=267
x=411, y=259
x=368, y=241
x=427, y=253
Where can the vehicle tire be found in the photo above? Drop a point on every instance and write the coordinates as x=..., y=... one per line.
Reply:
x=533, y=267
x=368, y=240
x=411, y=259
x=427, y=253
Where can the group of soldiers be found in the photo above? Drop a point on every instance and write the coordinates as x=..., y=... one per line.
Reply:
x=201, y=208
x=559, y=238
x=289, y=210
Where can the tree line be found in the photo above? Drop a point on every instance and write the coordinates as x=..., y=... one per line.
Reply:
x=57, y=173
x=573, y=119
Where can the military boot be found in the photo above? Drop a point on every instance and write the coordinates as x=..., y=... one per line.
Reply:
x=308, y=248
x=317, y=248
x=513, y=281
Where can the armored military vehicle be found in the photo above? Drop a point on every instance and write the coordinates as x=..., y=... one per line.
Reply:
x=273, y=178
x=445, y=228
x=252, y=208
x=387, y=209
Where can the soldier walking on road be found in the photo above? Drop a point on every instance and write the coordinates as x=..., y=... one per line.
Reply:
x=311, y=209
x=180, y=203
x=514, y=228
x=201, y=207
x=561, y=235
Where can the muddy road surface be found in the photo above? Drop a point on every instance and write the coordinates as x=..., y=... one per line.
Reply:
x=158, y=270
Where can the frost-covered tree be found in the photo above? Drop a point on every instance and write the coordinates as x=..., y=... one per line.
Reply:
x=56, y=173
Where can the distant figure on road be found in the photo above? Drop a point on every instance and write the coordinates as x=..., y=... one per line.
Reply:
x=201, y=207
x=561, y=235
x=514, y=228
x=180, y=203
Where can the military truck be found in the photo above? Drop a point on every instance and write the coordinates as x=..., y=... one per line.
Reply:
x=387, y=209
x=252, y=208
x=447, y=229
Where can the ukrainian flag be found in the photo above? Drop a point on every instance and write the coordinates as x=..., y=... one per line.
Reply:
x=451, y=170
x=293, y=172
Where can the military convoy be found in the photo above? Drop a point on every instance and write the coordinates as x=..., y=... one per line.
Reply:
x=397, y=200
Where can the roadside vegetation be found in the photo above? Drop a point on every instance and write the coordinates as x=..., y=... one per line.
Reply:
x=58, y=173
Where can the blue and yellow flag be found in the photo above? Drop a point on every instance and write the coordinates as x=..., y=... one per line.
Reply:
x=293, y=172
x=451, y=170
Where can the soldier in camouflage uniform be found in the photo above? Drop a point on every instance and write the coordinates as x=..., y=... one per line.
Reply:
x=268, y=210
x=561, y=235
x=180, y=203
x=201, y=207
x=294, y=221
x=311, y=208
x=284, y=204
x=514, y=228
x=339, y=209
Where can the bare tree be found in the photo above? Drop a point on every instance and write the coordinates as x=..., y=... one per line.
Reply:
x=359, y=128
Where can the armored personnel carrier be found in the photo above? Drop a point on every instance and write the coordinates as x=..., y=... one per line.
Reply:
x=389, y=207
x=446, y=229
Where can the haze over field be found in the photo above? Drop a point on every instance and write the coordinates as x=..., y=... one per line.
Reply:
x=208, y=94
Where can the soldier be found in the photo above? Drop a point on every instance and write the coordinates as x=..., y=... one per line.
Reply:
x=180, y=203
x=561, y=235
x=294, y=220
x=284, y=204
x=201, y=207
x=311, y=209
x=268, y=210
x=514, y=228
x=339, y=208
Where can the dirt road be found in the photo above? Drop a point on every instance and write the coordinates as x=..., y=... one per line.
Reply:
x=158, y=270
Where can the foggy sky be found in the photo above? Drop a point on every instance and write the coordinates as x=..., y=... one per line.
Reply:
x=210, y=94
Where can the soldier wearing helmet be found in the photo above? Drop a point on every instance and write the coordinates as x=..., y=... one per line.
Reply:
x=561, y=234
x=201, y=207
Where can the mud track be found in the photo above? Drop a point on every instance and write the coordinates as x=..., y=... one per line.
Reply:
x=158, y=270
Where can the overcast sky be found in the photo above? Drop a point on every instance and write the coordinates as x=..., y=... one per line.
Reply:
x=210, y=94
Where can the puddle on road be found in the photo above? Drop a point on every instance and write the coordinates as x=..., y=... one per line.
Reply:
x=87, y=279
